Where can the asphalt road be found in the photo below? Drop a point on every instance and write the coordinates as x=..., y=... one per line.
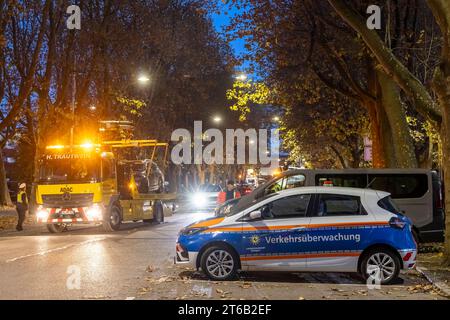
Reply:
x=137, y=263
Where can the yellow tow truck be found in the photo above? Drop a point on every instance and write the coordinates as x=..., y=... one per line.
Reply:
x=92, y=184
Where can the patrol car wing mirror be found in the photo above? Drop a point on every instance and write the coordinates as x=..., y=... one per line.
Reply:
x=255, y=215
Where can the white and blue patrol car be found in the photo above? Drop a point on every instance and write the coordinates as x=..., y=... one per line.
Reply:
x=304, y=229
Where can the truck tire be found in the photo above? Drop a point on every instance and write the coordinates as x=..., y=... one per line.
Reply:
x=113, y=219
x=158, y=215
x=56, y=228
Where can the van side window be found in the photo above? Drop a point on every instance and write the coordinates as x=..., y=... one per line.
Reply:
x=330, y=205
x=289, y=207
x=400, y=185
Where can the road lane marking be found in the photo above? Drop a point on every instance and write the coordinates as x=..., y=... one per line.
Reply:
x=43, y=253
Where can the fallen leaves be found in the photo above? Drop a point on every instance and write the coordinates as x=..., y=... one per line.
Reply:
x=423, y=288
x=245, y=285
x=223, y=294
x=150, y=269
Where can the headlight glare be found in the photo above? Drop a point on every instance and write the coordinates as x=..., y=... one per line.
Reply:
x=42, y=214
x=94, y=212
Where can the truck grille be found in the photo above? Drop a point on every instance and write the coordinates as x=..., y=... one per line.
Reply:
x=73, y=200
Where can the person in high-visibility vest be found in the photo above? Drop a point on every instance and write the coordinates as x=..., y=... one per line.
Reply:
x=22, y=206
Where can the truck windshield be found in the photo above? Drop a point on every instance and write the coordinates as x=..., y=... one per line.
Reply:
x=70, y=168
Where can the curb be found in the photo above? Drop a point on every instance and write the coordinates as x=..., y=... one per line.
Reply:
x=441, y=286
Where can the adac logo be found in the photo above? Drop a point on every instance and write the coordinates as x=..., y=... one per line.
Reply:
x=66, y=193
x=255, y=240
x=66, y=189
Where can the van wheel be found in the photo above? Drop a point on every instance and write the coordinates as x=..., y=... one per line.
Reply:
x=158, y=215
x=380, y=266
x=219, y=263
x=113, y=221
x=56, y=228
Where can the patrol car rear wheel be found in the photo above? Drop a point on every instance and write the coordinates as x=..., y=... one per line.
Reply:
x=113, y=221
x=219, y=263
x=380, y=266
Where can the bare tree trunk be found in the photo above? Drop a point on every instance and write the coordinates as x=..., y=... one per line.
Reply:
x=401, y=143
x=5, y=199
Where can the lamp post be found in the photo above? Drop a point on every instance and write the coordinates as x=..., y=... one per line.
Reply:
x=72, y=108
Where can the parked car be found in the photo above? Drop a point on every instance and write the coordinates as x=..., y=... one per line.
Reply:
x=318, y=229
x=417, y=192
x=148, y=176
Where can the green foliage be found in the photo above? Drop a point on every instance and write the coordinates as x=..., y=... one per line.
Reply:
x=247, y=94
x=131, y=106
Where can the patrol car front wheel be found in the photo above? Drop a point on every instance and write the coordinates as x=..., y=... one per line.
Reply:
x=380, y=266
x=219, y=263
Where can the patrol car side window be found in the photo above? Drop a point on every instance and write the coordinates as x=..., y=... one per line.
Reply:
x=332, y=205
x=289, y=207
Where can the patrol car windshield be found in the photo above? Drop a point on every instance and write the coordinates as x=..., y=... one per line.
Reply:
x=236, y=209
x=70, y=168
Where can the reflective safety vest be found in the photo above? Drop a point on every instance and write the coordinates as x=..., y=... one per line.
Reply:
x=20, y=197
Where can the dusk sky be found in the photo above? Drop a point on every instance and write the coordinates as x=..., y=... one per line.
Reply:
x=222, y=20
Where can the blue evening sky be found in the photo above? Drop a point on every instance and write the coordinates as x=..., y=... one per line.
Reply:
x=221, y=20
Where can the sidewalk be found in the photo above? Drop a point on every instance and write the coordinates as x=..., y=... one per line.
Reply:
x=430, y=266
x=8, y=218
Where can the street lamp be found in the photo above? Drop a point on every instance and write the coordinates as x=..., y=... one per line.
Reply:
x=217, y=119
x=276, y=118
x=241, y=77
x=143, y=78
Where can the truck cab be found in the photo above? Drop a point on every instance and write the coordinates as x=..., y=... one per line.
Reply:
x=75, y=185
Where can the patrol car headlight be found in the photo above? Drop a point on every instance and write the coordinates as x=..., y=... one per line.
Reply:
x=94, y=212
x=42, y=214
x=192, y=231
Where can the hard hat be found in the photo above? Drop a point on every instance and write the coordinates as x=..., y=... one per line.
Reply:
x=22, y=186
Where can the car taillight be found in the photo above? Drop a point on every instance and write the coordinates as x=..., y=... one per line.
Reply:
x=396, y=222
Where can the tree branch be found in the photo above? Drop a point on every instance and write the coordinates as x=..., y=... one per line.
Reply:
x=391, y=65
